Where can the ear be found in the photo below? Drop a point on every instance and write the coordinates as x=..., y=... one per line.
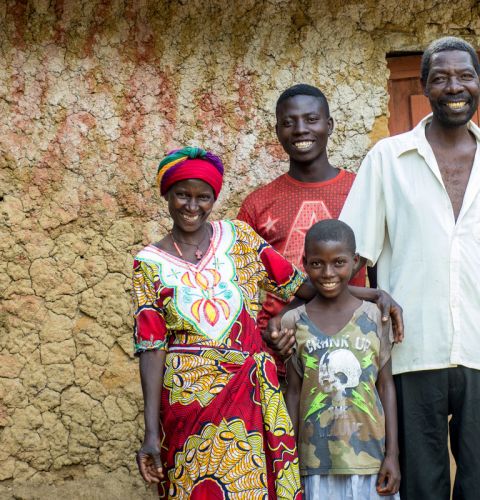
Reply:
x=424, y=88
x=304, y=261
x=331, y=125
x=356, y=258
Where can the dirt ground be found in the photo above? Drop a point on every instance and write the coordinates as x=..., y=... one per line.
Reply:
x=111, y=487
x=108, y=488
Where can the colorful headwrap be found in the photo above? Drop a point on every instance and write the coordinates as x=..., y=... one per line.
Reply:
x=190, y=163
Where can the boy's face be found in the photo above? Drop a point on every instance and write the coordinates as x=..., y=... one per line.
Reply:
x=329, y=265
x=303, y=127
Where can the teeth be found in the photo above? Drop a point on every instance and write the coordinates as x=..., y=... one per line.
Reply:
x=303, y=144
x=456, y=105
x=190, y=218
x=329, y=285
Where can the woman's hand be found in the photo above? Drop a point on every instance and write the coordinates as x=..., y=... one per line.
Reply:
x=149, y=461
x=388, y=482
x=151, y=375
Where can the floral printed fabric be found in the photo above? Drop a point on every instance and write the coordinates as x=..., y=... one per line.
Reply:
x=226, y=430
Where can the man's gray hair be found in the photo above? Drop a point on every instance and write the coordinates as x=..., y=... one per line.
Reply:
x=444, y=44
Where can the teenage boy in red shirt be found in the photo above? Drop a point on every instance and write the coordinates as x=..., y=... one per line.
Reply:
x=282, y=211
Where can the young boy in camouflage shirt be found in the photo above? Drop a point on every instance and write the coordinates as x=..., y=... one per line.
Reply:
x=341, y=395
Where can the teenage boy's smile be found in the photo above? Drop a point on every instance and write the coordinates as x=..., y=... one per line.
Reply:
x=303, y=127
x=303, y=145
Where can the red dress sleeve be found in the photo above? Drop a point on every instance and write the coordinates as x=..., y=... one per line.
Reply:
x=150, y=330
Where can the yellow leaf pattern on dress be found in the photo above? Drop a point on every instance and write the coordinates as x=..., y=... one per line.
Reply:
x=226, y=453
x=192, y=378
x=216, y=276
x=196, y=309
x=186, y=280
x=201, y=280
x=287, y=481
x=143, y=285
x=275, y=415
x=211, y=312
x=224, y=306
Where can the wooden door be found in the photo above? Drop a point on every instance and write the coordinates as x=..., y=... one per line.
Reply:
x=407, y=104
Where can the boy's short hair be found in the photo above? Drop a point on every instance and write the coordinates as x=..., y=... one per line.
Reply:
x=303, y=89
x=331, y=230
x=442, y=45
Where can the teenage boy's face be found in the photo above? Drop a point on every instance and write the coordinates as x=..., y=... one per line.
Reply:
x=303, y=127
x=329, y=265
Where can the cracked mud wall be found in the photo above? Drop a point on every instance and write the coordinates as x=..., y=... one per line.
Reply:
x=92, y=93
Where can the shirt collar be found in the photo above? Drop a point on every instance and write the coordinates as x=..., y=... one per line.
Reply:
x=415, y=139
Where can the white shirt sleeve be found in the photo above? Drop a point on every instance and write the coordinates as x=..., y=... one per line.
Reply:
x=364, y=208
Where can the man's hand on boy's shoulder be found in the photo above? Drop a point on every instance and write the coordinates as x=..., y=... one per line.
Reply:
x=281, y=340
x=388, y=307
x=391, y=310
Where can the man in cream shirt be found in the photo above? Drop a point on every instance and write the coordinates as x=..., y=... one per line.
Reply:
x=415, y=210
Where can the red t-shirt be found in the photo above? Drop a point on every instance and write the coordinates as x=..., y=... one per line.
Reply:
x=282, y=211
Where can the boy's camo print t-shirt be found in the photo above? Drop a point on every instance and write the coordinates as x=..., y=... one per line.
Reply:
x=341, y=419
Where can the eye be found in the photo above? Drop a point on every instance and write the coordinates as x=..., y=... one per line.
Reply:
x=313, y=118
x=205, y=197
x=180, y=194
x=438, y=79
x=340, y=262
x=467, y=76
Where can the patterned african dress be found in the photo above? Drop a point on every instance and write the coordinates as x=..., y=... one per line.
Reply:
x=226, y=430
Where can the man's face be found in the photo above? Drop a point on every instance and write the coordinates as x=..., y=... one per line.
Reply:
x=452, y=87
x=303, y=127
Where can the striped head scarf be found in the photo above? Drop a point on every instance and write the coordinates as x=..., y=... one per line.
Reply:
x=190, y=163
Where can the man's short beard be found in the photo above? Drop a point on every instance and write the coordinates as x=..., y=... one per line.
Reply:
x=448, y=121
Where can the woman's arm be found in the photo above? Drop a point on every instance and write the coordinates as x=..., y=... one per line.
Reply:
x=151, y=375
x=292, y=398
x=388, y=481
x=281, y=339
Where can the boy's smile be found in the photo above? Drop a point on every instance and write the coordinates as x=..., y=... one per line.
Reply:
x=329, y=265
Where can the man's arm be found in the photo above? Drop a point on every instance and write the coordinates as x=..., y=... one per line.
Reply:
x=282, y=340
x=387, y=305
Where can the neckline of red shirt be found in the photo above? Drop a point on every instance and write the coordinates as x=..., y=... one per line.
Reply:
x=307, y=185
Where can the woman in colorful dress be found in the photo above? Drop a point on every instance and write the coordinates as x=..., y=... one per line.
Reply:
x=224, y=429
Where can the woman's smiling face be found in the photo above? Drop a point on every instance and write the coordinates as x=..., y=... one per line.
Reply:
x=190, y=203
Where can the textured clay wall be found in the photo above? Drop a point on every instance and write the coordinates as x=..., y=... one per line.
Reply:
x=92, y=93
